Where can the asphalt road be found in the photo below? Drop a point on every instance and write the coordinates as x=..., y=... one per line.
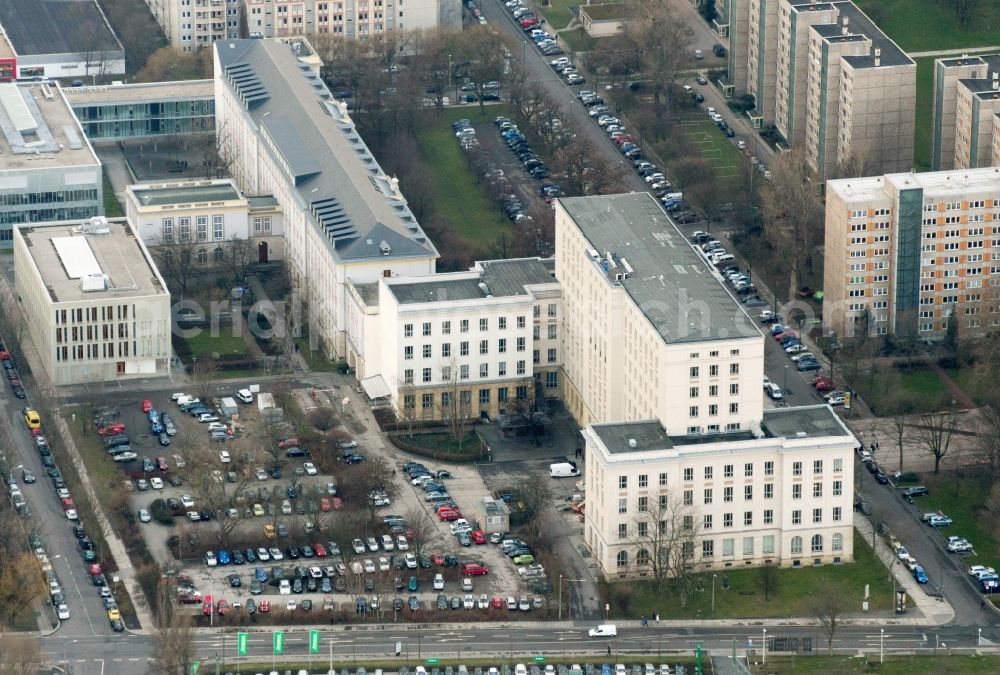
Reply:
x=87, y=614
x=120, y=654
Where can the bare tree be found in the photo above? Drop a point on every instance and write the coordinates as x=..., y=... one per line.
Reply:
x=829, y=610
x=661, y=536
x=406, y=404
x=203, y=373
x=933, y=434
x=662, y=37
x=240, y=255
x=173, y=640
x=373, y=475
x=987, y=449
x=534, y=492
x=20, y=653
x=425, y=531
x=486, y=50
x=767, y=579
x=218, y=157
x=897, y=420
x=322, y=418
x=177, y=259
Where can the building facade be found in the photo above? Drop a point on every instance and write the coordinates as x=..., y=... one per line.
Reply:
x=779, y=496
x=344, y=218
x=642, y=340
x=473, y=343
x=205, y=218
x=966, y=105
x=908, y=253
x=191, y=25
x=48, y=170
x=348, y=18
x=120, y=111
x=52, y=39
x=96, y=308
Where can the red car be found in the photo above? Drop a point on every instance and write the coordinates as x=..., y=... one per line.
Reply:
x=338, y=503
x=324, y=504
x=824, y=385
x=475, y=569
x=111, y=429
x=222, y=607
x=478, y=537
x=288, y=443
x=189, y=599
x=94, y=569
x=319, y=550
x=787, y=333
x=68, y=504
x=207, y=605
x=496, y=603
x=437, y=559
x=147, y=405
x=161, y=463
x=449, y=515
x=264, y=606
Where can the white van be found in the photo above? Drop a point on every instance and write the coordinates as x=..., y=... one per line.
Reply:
x=245, y=395
x=773, y=390
x=563, y=470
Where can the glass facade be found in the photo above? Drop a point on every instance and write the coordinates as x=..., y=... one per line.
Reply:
x=47, y=198
x=149, y=118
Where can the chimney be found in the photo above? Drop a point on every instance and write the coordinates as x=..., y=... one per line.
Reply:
x=996, y=81
x=394, y=185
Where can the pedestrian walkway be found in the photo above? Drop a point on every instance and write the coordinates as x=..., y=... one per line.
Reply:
x=960, y=397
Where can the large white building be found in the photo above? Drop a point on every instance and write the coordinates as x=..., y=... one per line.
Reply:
x=96, y=308
x=344, y=218
x=782, y=494
x=468, y=341
x=649, y=331
x=350, y=19
x=664, y=368
x=191, y=25
x=48, y=169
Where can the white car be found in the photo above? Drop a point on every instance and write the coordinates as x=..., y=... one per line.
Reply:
x=369, y=565
x=291, y=605
x=604, y=630
x=977, y=570
x=358, y=546
x=261, y=474
x=469, y=602
x=207, y=417
x=411, y=561
x=217, y=426
x=144, y=516
x=285, y=587
x=401, y=543
x=383, y=564
x=310, y=468
x=156, y=483
x=795, y=349
x=803, y=355
x=276, y=553
x=224, y=457
x=187, y=501
x=263, y=555
x=62, y=611
x=210, y=559
x=387, y=543
x=483, y=602
x=71, y=514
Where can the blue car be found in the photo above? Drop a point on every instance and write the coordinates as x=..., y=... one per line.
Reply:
x=920, y=575
x=260, y=575
x=777, y=328
x=223, y=557
x=156, y=427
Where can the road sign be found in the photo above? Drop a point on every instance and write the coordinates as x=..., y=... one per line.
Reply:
x=539, y=659
x=279, y=642
x=193, y=670
x=314, y=642
x=242, y=643
x=399, y=648
x=433, y=662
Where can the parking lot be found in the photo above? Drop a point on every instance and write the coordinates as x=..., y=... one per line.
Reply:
x=189, y=500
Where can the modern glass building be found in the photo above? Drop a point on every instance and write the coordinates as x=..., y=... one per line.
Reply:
x=123, y=111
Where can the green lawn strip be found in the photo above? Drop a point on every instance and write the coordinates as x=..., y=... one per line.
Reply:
x=204, y=343
x=104, y=473
x=923, y=386
x=579, y=41
x=796, y=591
x=961, y=496
x=557, y=13
x=112, y=208
x=926, y=25
x=970, y=382
x=924, y=112
x=458, y=195
x=894, y=665
x=441, y=446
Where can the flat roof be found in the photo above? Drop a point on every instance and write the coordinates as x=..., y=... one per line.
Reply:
x=117, y=254
x=360, y=209
x=438, y=288
x=368, y=293
x=805, y=422
x=6, y=49
x=671, y=284
x=39, y=130
x=37, y=27
x=859, y=26
x=181, y=90
x=189, y=193
x=509, y=277
x=956, y=181
x=647, y=435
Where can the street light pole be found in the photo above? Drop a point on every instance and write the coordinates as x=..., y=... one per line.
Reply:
x=881, y=646
x=763, y=647
x=713, y=594
x=560, y=596
x=784, y=388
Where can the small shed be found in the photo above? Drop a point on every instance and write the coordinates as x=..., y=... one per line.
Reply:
x=228, y=406
x=492, y=515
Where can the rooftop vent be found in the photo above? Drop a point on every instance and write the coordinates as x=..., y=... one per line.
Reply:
x=632, y=444
x=384, y=247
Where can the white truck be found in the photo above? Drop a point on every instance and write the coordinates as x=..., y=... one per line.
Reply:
x=563, y=470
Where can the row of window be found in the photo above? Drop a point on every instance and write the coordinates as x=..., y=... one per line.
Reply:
x=447, y=401
x=729, y=471
x=708, y=522
x=728, y=548
x=713, y=370
x=427, y=351
x=427, y=374
x=427, y=328
x=183, y=232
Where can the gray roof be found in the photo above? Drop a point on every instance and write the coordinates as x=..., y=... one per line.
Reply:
x=964, y=60
x=347, y=194
x=437, y=290
x=860, y=25
x=368, y=293
x=982, y=85
x=187, y=194
x=647, y=434
x=262, y=201
x=509, y=277
x=37, y=27
x=805, y=422
x=672, y=285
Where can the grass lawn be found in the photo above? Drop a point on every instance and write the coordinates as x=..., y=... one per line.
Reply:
x=925, y=25
x=224, y=343
x=970, y=382
x=440, y=445
x=961, y=496
x=704, y=135
x=112, y=209
x=894, y=665
x=924, y=111
x=926, y=389
x=578, y=40
x=458, y=195
x=315, y=359
x=104, y=474
x=558, y=14
x=796, y=591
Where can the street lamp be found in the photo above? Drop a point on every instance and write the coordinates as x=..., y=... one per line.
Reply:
x=763, y=647
x=881, y=645
x=713, y=593
x=784, y=388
